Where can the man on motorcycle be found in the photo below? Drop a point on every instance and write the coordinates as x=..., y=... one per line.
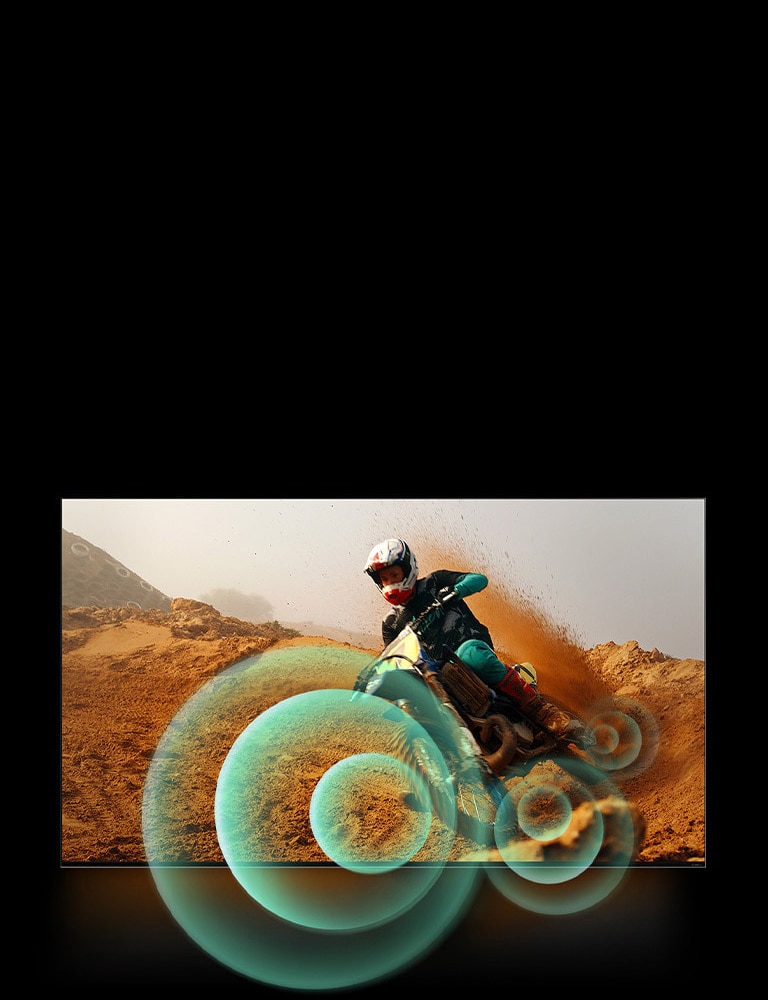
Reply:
x=392, y=567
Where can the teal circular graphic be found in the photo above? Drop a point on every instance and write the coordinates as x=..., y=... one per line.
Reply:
x=322, y=926
x=566, y=837
x=618, y=740
x=249, y=780
x=534, y=817
x=606, y=736
x=557, y=898
x=627, y=736
x=544, y=813
x=360, y=843
x=315, y=926
x=220, y=917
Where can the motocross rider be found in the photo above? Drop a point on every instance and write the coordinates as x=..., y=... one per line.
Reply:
x=392, y=567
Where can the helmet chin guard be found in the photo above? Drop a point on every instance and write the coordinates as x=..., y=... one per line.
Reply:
x=396, y=594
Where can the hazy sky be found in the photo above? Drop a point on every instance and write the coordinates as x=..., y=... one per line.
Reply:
x=611, y=570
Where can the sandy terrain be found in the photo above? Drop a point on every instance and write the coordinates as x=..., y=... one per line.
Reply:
x=127, y=672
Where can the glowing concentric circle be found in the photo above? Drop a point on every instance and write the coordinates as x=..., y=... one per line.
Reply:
x=222, y=919
x=544, y=813
x=566, y=836
x=557, y=898
x=249, y=791
x=266, y=915
x=345, y=820
x=606, y=738
x=547, y=829
x=627, y=736
x=618, y=740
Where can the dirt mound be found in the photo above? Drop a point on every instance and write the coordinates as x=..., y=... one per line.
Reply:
x=670, y=790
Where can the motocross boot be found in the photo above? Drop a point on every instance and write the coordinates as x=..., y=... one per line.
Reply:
x=532, y=704
x=551, y=718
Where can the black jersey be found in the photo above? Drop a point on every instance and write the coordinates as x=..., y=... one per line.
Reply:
x=452, y=626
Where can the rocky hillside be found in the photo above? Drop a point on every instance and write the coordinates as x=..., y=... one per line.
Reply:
x=91, y=577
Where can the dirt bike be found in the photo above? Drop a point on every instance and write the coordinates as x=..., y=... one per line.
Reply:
x=480, y=733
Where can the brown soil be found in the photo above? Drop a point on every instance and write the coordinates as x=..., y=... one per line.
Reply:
x=126, y=672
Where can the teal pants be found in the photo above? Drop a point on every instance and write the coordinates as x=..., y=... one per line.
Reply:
x=479, y=657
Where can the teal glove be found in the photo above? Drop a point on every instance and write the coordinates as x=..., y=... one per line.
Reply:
x=470, y=583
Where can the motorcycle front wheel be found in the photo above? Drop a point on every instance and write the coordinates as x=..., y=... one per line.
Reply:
x=477, y=801
x=463, y=792
x=470, y=799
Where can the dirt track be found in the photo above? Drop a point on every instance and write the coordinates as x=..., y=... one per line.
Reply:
x=126, y=673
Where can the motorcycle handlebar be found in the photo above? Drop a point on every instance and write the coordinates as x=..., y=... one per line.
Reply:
x=436, y=605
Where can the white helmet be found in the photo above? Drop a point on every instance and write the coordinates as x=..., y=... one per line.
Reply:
x=393, y=552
